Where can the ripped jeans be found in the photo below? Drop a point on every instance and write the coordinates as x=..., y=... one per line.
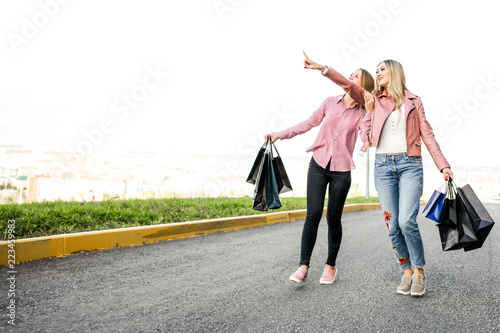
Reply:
x=399, y=181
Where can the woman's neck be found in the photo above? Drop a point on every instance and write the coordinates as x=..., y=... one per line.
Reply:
x=348, y=101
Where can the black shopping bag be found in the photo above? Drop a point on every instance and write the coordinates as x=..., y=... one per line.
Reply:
x=270, y=178
x=273, y=199
x=461, y=235
x=449, y=234
x=482, y=222
x=252, y=176
x=435, y=206
x=260, y=192
x=280, y=173
x=449, y=217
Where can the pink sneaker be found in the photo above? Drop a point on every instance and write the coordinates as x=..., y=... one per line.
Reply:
x=299, y=276
x=328, y=275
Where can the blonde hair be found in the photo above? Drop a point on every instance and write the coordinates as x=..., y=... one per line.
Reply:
x=397, y=82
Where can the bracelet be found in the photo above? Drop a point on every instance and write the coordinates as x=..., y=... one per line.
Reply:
x=325, y=71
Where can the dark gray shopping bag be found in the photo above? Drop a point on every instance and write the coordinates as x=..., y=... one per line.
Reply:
x=482, y=222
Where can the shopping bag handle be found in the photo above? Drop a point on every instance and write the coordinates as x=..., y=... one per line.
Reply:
x=269, y=142
x=451, y=191
x=271, y=146
x=265, y=143
x=442, y=187
x=274, y=146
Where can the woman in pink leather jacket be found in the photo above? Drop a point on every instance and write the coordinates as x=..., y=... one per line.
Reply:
x=398, y=125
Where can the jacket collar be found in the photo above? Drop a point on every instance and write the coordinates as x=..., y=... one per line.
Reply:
x=381, y=94
x=408, y=94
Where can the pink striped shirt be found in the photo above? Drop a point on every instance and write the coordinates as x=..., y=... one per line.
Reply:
x=337, y=136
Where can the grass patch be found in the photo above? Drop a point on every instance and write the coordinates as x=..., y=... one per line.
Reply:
x=54, y=218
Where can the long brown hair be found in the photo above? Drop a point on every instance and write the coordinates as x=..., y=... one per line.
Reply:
x=367, y=81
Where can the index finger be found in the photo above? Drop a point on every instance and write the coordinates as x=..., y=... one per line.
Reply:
x=306, y=55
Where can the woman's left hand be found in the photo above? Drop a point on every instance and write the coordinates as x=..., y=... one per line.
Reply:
x=447, y=174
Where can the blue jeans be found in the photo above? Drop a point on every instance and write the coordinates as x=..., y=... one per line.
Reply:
x=399, y=181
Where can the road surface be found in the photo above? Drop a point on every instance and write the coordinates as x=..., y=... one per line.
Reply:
x=238, y=282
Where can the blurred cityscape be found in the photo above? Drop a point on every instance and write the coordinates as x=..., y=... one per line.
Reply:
x=37, y=175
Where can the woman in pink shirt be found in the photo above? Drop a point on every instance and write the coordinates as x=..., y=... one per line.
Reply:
x=331, y=164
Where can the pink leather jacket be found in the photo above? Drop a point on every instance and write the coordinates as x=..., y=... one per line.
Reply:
x=417, y=126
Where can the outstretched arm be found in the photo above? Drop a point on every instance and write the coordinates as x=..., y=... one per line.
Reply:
x=314, y=120
x=353, y=89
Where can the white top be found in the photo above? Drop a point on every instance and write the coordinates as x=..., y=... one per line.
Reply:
x=393, y=135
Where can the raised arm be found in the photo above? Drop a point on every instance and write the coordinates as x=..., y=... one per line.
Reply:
x=353, y=89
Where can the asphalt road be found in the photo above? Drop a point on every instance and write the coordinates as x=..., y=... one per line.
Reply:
x=238, y=282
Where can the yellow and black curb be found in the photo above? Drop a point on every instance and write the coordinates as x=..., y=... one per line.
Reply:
x=61, y=245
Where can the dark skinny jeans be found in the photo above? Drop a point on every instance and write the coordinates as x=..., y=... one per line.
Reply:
x=338, y=187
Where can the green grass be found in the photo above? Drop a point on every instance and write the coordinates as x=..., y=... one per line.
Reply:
x=53, y=218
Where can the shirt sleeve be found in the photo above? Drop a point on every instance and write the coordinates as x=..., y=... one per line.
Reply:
x=365, y=126
x=353, y=89
x=314, y=120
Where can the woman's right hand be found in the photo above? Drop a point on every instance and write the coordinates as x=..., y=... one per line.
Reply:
x=369, y=102
x=309, y=64
x=273, y=137
x=447, y=174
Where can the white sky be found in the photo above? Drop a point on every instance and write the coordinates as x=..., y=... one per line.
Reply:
x=235, y=69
